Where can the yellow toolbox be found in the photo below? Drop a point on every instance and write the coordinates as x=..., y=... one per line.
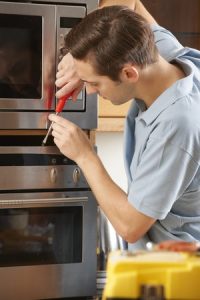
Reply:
x=153, y=275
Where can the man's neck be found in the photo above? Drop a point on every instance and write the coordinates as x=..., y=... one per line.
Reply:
x=157, y=78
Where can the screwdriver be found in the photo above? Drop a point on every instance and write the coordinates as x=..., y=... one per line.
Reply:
x=59, y=108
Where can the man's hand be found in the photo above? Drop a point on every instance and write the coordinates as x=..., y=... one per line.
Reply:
x=135, y=5
x=71, y=140
x=67, y=78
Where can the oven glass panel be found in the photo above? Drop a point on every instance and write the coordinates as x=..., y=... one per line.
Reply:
x=40, y=236
x=20, y=56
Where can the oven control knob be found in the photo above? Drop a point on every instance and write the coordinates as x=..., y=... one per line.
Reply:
x=53, y=175
x=76, y=175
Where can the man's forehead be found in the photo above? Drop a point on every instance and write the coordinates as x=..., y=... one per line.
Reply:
x=82, y=65
x=85, y=69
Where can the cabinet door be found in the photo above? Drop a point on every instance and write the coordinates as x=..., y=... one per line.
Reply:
x=182, y=17
x=107, y=109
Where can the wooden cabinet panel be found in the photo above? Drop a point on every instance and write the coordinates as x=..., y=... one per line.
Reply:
x=177, y=15
x=189, y=40
x=107, y=109
x=182, y=17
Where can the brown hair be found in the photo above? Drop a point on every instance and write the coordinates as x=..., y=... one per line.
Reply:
x=111, y=37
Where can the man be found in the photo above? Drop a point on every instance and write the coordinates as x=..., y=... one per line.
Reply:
x=112, y=51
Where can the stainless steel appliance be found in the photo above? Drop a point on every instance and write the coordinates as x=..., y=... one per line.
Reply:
x=108, y=240
x=31, y=36
x=47, y=224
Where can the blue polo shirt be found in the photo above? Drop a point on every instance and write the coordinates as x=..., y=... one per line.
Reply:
x=162, y=149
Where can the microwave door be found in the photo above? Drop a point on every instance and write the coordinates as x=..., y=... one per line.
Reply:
x=27, y=56
x=67, y=17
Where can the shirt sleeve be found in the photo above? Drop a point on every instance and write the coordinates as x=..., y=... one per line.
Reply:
x=166, y=42
x=163, y=174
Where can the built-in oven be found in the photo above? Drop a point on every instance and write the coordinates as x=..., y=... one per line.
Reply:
x=31, y=37
x=48, y=230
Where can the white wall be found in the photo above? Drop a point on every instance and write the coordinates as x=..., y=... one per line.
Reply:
x=110, y=150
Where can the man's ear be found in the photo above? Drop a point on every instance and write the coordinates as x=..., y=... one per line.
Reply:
x=130, y=73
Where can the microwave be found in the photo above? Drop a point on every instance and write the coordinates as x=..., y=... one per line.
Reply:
x=31, y=39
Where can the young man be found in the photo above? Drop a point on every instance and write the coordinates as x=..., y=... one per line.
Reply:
x=113, y=52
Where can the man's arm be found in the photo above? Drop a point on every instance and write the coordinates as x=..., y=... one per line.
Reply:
x=130, y=3
x=73, y=143
x=135, y=5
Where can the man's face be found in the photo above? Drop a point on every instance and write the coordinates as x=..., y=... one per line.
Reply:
x=117, y=92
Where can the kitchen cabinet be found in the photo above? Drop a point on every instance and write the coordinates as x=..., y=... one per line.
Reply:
x=111, y=117
x=182, y=17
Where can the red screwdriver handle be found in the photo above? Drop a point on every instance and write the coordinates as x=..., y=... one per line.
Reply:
x=62, y=101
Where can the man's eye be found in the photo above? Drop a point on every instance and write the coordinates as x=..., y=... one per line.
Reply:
x=93, y=84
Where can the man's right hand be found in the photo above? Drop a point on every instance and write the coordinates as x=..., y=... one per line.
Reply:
x=67, y=78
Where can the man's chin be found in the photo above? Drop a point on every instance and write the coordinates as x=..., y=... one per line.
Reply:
x=104, y=98
x=110, y=100
x=101, y=96
x=116, y=104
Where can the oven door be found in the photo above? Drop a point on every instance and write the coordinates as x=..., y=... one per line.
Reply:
x=47, y=245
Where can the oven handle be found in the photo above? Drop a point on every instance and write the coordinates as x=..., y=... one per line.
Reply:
x=47, y=202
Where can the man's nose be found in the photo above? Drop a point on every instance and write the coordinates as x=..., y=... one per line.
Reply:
x=90, y=89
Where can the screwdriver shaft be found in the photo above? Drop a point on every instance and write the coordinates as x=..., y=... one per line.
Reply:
x=48, y=133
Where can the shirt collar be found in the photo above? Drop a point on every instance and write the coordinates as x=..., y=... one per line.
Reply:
x=179, y=89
